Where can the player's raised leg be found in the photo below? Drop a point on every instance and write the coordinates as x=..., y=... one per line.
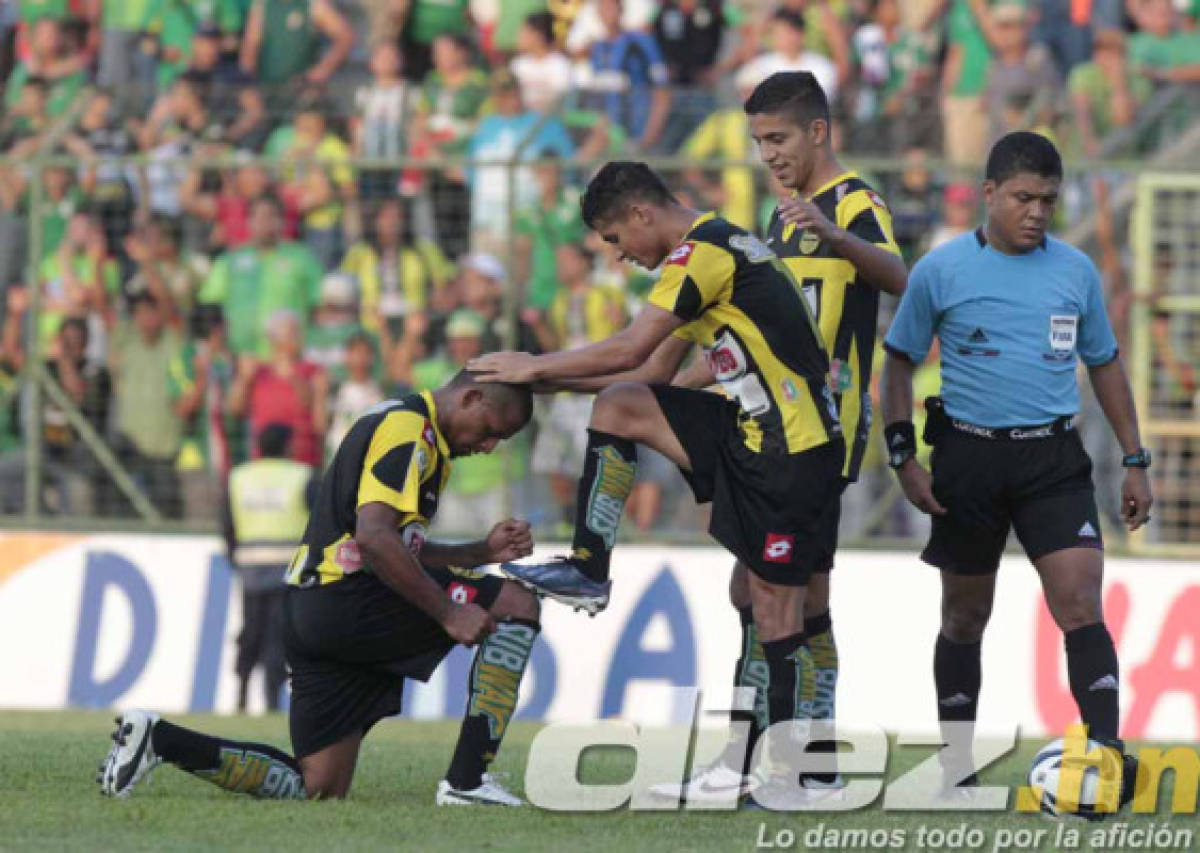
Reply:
x=499, y=665
x=624, y=415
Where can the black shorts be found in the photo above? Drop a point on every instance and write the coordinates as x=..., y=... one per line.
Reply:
x=1040, y=487
x=351, y=644
x=776, y=512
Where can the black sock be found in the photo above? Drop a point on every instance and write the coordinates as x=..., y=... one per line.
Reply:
x=750, y=671
x=1094, y=674
x=500, y=662
x=821, y=703
x=257, y=769
x=609, y=469
x=958, y=675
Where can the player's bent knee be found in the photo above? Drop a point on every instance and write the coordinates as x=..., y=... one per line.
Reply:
x=618, y=408
x=324, y=784
x=516, y=602
x=965, y=623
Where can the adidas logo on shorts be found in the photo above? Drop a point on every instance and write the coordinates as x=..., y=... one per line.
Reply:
x=1087, y=531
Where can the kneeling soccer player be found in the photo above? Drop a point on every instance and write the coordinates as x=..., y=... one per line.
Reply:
x=370, y=603
x=769, y=459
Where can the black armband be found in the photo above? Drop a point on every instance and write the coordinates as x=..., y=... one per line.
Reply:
x=901, y=438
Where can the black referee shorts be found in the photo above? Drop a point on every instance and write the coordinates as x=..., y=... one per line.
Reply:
x=776, y=512
x=1041, y=487
x=351, y=644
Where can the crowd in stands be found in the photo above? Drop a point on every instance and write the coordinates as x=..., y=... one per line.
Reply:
x=284, y=211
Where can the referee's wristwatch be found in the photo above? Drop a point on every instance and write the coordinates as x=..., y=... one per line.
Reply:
x=1140, y=458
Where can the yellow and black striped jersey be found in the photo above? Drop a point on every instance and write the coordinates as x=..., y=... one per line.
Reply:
x=846, y=306
x=395, y=455
x=744, y=308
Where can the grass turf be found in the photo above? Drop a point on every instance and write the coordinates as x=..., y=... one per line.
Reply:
x=48, y=800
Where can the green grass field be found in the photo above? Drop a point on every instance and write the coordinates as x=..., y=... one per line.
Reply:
x=48, y=800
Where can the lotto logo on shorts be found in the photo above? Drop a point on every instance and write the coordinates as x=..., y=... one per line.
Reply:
x=681, y=254
x=779, y=548
x=461, y=593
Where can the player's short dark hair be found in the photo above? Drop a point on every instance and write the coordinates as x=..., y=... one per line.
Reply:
x=504, y=394
x=541, y=23
x=796, y=94
x=617, y=185
x=273, y=441
x=1023, y=152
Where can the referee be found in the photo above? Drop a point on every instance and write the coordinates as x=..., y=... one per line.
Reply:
x=1013, y=309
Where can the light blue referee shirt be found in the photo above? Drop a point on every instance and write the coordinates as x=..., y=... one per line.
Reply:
x=1010, y=328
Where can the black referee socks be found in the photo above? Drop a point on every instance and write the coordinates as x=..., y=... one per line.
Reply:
x=609, y=468
x=957, y=676
x=500, y=662
x=257, y=769
x=1094, y=674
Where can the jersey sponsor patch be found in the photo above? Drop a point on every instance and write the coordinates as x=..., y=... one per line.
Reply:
x=726, y=358
x=461, y=593
x=682, y=254
x=755, y=250
x=779, y=548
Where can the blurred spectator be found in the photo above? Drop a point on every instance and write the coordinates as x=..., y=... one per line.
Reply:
x=128, y=51
x=283, y=389
x=1105, y=92
x=335, y=323
x=475, y=492
x=631, y=77
x=581, y=313
x=63, y=71
x=145, y=358
x=914, y=203
x=267, y=508
x=690, y=35
x=825, y=32
x=226, y=205
x=724, y=136
x=894, y=105
x=358, y=392
x=164, y=270
x=587, y=26
x=452, y=97
x=24, y=124
x=207, y=377
x=281, y=46
x=960, y=209
x=393, y=274
x=316, y=173
x=550, y=221
x=788, y=33
x=426, y=22
x=256, y=281
x=544, y=73
x=481, y=280
x=229, y=94
x=78, y=280
x=1066, y=28
x=99, y=141
x=87, y=384
x=384, y=111
x=503, y=37
x=1023, y=87
x=60, y=201
x=179, y=126
x=964, y=77
x=509, y=134
x=1163, y=49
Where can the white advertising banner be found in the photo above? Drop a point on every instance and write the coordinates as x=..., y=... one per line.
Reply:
x=123, y=621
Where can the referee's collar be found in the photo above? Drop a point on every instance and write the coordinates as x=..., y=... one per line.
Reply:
x=981, y=239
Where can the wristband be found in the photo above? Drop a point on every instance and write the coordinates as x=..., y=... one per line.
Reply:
x=1140, y=458
x=901, y=438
